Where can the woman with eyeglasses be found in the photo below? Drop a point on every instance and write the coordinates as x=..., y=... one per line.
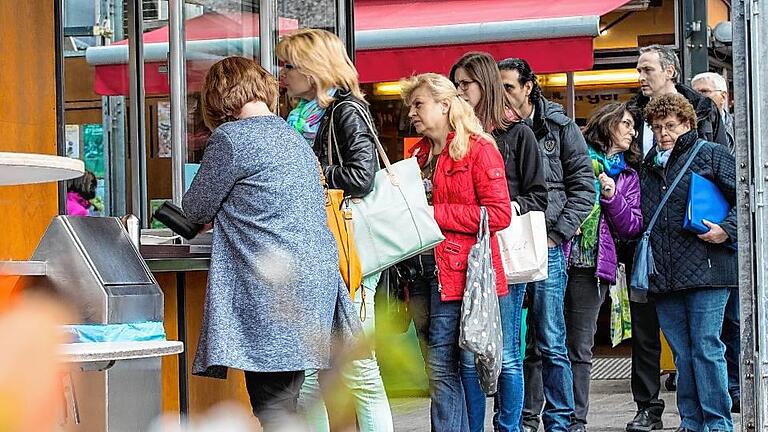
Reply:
x=331, y=115
x=694, y=273
x=591, y=254
x=478, y=82
x=468, y=173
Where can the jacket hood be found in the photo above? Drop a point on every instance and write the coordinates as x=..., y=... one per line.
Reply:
x=548, y=110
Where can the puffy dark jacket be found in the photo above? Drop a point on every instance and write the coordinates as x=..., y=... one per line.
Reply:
x=567, y=168
x=354, y=173
x=523, y=166
x=683, y=261
x=709, y=125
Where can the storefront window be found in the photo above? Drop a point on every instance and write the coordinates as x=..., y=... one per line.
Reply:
x=295, y=14
x=98, y=78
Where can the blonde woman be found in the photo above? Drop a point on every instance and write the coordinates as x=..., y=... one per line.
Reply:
x=467, y=172
x=330, y=116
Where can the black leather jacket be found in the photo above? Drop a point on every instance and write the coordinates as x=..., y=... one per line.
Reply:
x=359, y=162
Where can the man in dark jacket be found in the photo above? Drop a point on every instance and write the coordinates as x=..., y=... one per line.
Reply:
x=659, y=70
x=570, y=197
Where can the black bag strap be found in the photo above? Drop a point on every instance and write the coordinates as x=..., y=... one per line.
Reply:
x=699, y=145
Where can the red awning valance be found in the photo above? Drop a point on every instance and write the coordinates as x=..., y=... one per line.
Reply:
x=394, y=39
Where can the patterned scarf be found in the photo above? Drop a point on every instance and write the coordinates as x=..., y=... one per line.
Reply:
x=612, y=166
x=305, y=118
x=661, y=158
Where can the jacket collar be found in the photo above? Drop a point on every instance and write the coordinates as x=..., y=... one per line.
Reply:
x=698, y=101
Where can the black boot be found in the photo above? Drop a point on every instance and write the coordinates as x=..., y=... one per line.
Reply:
x=644, y=421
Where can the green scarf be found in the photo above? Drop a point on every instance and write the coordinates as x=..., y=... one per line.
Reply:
x=612, y=166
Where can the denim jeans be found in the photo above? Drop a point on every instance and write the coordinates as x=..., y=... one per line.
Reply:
x=731, y=337
x=420, y=297
x=509, y=397
x=583, y=299
x=692, y=321
x=361, y=377
x=448, y=409
x=547, y=369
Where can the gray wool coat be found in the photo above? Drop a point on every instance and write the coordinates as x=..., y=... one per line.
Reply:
x=274, y=293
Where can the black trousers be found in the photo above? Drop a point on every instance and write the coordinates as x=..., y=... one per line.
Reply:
x=646, y=346
x=646, y=357
x=273, y=396
x=583, y=300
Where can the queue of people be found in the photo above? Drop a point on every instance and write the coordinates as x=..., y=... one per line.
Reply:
x=278, y=308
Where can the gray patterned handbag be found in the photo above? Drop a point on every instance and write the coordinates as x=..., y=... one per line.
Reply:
x=480, y=328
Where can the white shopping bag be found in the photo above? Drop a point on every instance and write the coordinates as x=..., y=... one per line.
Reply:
x=523, y=247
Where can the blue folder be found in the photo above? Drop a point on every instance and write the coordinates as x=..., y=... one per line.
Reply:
x=705, y=201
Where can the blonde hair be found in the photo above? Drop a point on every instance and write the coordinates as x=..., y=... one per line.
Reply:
x=320, y=54
x=461, y=117
x=230, y=84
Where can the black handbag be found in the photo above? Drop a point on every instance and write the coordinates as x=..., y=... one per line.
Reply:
x=644, y=265
x=173, y=217
x=392, y=299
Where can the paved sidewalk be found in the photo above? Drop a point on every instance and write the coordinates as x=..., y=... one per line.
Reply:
x=611, y=407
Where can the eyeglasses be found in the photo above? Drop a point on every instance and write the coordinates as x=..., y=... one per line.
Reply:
x=707, y=92
x=464, y=84
x=669, y=127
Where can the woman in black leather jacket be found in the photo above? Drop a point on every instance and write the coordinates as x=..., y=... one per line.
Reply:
x=324, y=79
x=333, y=117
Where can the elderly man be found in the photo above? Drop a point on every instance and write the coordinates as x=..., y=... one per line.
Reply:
x=659, y=70
x=713, y=86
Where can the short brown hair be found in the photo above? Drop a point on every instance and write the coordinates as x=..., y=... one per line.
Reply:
x=670, y=104
x=230, y=84
x=603, y=124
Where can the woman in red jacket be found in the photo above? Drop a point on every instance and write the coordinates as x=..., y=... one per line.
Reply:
x=467, y=171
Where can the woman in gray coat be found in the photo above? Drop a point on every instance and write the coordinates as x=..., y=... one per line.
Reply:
x=274, y=282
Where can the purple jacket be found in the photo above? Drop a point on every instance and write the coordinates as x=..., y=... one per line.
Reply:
x=620, y=219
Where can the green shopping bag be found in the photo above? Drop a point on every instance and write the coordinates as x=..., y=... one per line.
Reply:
x=621, y=319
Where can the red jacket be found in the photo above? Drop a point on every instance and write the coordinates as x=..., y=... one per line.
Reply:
x=459, y=189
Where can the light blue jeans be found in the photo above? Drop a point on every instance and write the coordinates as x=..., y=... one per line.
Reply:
x=361, y=377
x=509, y=397
x=692, y=321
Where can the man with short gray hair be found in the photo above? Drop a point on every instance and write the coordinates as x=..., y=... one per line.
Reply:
x=659, y=70
x=713, y=86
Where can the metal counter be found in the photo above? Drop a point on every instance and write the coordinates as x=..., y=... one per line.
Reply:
x=91, y=264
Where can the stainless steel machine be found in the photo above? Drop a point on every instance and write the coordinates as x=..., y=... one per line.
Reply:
x=92, y=264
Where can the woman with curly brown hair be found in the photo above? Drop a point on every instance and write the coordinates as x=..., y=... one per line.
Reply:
x=694, y=273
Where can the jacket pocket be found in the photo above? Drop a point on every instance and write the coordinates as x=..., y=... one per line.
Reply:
x=453, y=255
x=456, y=168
